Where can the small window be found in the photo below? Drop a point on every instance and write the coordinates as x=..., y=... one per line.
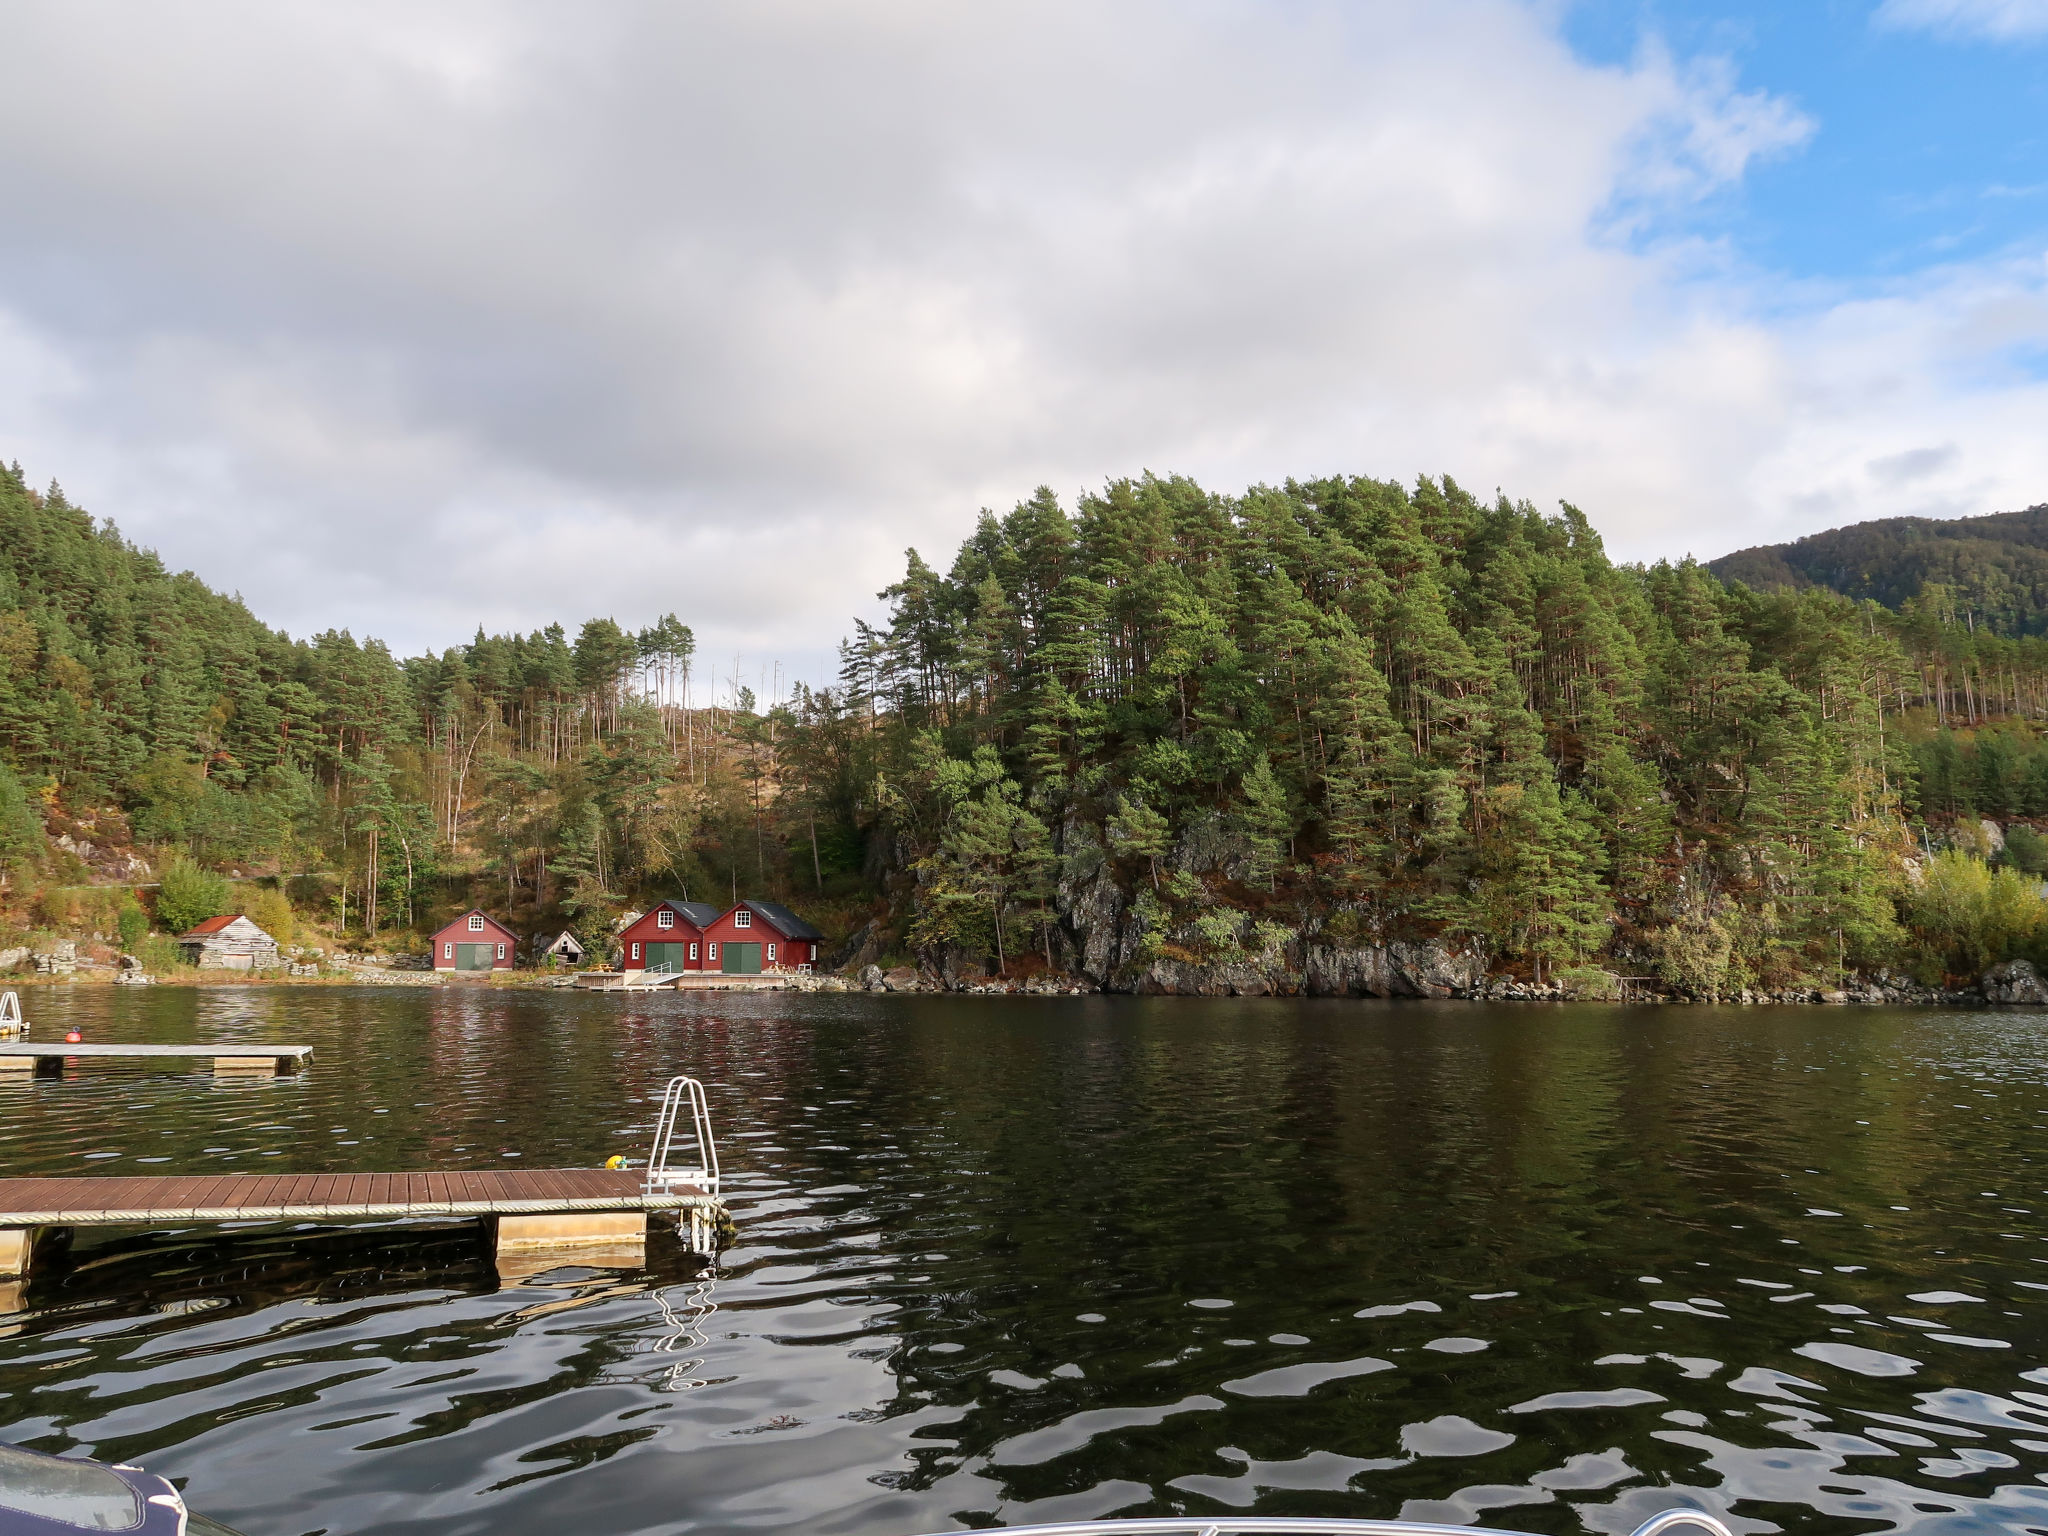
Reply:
x=501, y=951
x=814, y=952
x=693, y=951
x=636, y=949
x=447, y=951
x=667, y=919
x=476, y=922
x=714, y=951
x=743, y=918
x=771, y=954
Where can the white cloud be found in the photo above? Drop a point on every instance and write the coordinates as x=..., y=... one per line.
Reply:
x=1999, y=19
x=412, y=320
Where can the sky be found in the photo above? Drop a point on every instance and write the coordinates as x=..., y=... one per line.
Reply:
x=410, y=320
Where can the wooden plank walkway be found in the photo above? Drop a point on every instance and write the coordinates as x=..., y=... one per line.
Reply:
x=224, y=1048
x=110, y=1200
x=46, y=1058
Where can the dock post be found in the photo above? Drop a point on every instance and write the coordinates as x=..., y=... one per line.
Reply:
x=16, y=1244
x=268, y=1066
x=527, y=1245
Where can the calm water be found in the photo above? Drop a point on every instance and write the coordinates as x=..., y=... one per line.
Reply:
x=1018, y=1259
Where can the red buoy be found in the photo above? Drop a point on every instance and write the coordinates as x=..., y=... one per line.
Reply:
x=73, y=1038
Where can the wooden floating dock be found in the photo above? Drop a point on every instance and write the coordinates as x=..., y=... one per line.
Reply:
x=528, y=1209
x=680, y=981
x=46, y=1058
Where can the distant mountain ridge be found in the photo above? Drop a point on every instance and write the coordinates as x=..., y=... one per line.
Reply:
x=1996, y=564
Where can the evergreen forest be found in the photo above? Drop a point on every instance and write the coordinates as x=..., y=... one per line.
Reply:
x=1341, y=711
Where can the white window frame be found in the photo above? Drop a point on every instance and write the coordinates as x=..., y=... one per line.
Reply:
x=693, y=951
x=476, y=922
x=448, y=950
x=743, y=918
x=501, y=951
x=636, y=949
x=771, y=954
x=664, y=918
x=714, y=952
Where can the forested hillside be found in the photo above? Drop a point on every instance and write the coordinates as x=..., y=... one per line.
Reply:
x=1163, y=731
x=1987, y=571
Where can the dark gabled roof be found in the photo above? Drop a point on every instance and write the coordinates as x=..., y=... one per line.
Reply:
x=698, y=914
x=787, y=922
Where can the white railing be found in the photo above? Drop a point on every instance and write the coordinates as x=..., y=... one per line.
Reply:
x=1250, y=1525
x=10, y=1014
x=683, y=1095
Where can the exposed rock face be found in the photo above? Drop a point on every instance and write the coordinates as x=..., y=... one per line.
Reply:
x=10, y=958
x=904, y=978
x=1181, y=978
x=1094, y=911
x=871, y=979
x=1390, y=970
x=861, y=949
x=2016, y=981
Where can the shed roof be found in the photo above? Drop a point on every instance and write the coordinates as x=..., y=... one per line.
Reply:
x=699, y=914
x=783, y=920
x=211, y=925
x=461, y=920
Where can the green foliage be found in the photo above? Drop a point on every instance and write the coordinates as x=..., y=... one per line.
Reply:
x=2026, y=849
x=1395, y=710
x=131, y=923
x=1137, y=831
x=21, y=829
x=189, y=895
x=1968, y=915
x=1589, y=983
x=1695, y=950
x=1994, y=568
x=993, y=850
x=271, y=910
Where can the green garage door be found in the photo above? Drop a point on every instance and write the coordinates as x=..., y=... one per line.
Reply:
x=740, y=959
x=674, y=956
x=475, y=957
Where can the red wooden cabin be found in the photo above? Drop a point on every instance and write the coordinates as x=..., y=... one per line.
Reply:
x=669, y=933
x=759, y=936
x=475, y=941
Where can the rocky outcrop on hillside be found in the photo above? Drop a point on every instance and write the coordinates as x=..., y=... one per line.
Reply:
x=2016, y=981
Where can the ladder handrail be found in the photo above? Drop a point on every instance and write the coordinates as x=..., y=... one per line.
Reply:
x=10, y=1011
x=683, y=1091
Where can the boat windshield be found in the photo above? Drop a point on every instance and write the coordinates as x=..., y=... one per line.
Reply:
x=73, y=1492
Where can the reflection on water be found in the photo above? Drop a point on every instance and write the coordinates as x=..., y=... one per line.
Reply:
x=1021, y=1259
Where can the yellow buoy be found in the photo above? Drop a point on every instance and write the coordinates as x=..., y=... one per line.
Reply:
x=615, y=1162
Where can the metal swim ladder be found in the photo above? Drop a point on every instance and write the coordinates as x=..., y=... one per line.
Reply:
x=10, y=1015
x=685, y=1093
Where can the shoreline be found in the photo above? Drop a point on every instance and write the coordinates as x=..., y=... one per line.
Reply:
x=1868, y=992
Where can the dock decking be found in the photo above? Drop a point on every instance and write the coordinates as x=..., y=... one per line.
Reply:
x=46, y=1057
x=681, y=981
x=530, y=1208
x=112, y=1200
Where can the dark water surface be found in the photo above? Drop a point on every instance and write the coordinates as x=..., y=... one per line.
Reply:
x=1018, y=1259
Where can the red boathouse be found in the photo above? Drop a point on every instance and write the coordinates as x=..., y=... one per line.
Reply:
x=475, y=941
x=668, y=934
x=758, y=936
